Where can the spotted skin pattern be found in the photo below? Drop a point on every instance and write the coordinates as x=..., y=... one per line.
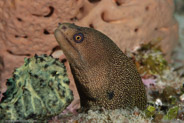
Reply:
x=103, y=74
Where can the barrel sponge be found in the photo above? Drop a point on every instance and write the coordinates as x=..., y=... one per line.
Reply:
x=38, y=90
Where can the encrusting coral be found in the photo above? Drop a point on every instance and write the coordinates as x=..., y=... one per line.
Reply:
x=38, y=90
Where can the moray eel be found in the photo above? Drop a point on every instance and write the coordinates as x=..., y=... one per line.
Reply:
x=103, y=74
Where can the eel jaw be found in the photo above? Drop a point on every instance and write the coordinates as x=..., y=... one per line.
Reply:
x=59, y=37
x=65, y=44
x=69, y=50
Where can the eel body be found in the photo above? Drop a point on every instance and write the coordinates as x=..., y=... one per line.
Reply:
x=103, y=74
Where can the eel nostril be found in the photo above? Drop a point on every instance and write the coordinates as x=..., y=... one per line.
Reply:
x=63, y=27
x=59, y=24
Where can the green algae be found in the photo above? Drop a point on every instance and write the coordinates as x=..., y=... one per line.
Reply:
x=38, y=90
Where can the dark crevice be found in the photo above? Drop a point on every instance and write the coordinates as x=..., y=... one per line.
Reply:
x=37, y=15
x=94, y=1
x=91, y=26
x=48, y=15
x=156, y=28
x=51, y=11
x=147, y=8
x=102, y=16
x=1, y=62
x=110, y=20
x=63, y=60
x=25, y=36
x=81, y=9
x=74, y=19
x=119, y=3
x=17, y=36
x=46, y=32
x=10, y=52
x=136, y=30
x=19, y=19
x=55, y=49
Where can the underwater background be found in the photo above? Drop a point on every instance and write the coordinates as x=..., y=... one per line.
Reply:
x=149, y=32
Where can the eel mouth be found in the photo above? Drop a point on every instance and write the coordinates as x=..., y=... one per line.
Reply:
x=65, y=44
x=61, y=37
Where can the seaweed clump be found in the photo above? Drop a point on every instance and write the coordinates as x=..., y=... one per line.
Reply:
x=149, y=59
x=38, y=90
x=163, y=83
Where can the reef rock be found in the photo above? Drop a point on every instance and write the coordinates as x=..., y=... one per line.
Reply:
x=38, y=90
x=27, y=26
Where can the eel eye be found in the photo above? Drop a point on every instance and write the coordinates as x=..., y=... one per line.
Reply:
x=78, y=38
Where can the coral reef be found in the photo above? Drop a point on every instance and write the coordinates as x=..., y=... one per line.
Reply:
x=25, y=27
x=38, y=90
